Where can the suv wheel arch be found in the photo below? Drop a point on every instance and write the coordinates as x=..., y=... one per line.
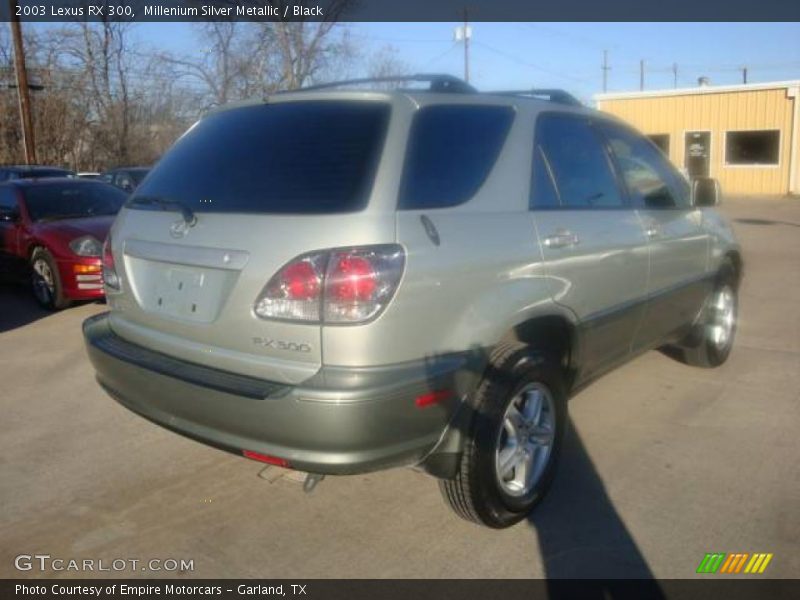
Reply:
x=735, y=259
x=554, y=336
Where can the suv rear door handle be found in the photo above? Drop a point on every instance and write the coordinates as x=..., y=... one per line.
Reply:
x=561, y=239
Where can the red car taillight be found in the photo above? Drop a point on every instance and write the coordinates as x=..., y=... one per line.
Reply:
x=301, y=281
x=334, y=286
x=110, y=276
x=351, y=279
x=294, y=293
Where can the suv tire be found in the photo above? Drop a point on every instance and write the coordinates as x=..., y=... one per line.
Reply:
x=46, y=281
x=485, y=490
x=710, y=342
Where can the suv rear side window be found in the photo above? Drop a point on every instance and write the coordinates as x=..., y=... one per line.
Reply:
x=315, y=157
x=451, y=151
x=578, y=162
x=648, y=175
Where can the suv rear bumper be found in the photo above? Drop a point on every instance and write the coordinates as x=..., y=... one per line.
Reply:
x=340, y=421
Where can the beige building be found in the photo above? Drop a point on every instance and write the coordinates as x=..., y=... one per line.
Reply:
x=747, y=136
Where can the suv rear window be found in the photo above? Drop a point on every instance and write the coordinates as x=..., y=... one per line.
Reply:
x=451, y=152
x=292, y=158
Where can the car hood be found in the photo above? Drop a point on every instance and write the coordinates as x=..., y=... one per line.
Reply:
x=73, y=228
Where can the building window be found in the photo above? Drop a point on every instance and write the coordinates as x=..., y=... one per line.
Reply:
x=753, y=148
x=661, y=140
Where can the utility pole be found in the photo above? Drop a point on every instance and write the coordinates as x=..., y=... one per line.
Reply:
x=463, y=32
x=744, y=74
x=675, y=75
x=22, y=88
x=466, y=45
x=606, y=69
x=641, y=74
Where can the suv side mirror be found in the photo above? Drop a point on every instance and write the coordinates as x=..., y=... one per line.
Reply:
x=705, y=192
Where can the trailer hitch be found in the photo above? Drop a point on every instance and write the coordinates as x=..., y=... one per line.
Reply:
x=312, y=479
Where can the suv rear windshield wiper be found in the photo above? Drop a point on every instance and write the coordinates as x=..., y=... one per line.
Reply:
x=165, y=204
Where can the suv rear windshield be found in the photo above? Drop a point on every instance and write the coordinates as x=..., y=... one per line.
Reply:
x=295, y=157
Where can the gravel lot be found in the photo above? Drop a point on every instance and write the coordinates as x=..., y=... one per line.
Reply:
x=664, y=463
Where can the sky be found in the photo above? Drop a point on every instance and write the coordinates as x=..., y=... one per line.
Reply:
x=567, y=55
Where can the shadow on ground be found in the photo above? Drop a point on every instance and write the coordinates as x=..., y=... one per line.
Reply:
x=765, y=222
x=581, y=535
x=18, y=307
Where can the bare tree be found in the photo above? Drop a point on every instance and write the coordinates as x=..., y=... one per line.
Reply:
x=102, y=100
x=5, y=48
x=101, y=52
x=56, y=117
x=310, y=51
x=244, y=59
x=60, y=109
x=386, y=62
x=294, y=53
x=229, y=64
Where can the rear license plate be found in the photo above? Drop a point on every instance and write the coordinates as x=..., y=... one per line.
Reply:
x=179, y=293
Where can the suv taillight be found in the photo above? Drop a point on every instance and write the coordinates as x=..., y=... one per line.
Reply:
x=110, y=276
x=350, y=285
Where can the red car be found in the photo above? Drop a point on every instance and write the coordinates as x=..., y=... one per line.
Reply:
x=54, y=229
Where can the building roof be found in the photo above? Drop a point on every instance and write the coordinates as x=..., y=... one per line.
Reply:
x=707, y=89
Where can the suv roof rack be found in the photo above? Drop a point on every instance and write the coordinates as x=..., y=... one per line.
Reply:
x=551, y=94
x=447, y=84
x=438, y=83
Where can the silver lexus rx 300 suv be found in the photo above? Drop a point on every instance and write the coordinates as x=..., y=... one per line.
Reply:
x=340, y=281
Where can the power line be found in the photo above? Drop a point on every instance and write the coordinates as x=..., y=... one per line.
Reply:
x=401, y=40
x=528, y=64
x=438, y=57
x=573, y=36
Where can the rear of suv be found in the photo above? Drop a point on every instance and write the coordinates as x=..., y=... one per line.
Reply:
x=346, y=281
